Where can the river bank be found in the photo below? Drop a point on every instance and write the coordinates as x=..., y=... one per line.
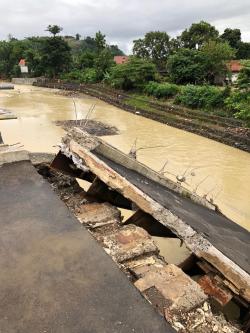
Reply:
x=226, y=130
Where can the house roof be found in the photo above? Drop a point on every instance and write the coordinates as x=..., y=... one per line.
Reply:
x=235, y=66
x=22, y=62
x=120, y=59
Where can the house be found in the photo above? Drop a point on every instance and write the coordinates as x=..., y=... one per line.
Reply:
x=235, y=67
x=23, y=66
x=120, y=59
x=22, y=62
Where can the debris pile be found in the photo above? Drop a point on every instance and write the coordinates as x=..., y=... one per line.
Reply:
x=201, y=320
x=92, y=127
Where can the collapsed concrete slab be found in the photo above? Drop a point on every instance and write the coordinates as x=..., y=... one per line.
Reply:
x=128, y=243
x=139, y=267
x=10, y=154
x=180, y=292
x=184, y=214
x=96, y=215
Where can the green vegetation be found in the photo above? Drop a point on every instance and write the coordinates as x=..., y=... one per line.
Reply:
x=190, y=69
x=202, y=97
x=239, y=103
x=198, y=34
x=205, y=66
x=56, y=55
x=161, y=90
x=155, y=46
x=243, y=81
x=132, y=75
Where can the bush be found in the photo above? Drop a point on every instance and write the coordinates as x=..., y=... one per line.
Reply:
x=239, y=104
x=132, y=75
x=86, y=76
x=202, y=97
x=243, y=81
x=89, y=76
x=160, y=90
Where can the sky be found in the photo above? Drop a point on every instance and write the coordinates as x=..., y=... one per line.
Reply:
x=121, y=21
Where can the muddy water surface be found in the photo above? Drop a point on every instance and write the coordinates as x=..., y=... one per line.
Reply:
x=217, y=170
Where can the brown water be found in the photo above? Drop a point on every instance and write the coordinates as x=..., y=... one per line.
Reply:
x=225, y=170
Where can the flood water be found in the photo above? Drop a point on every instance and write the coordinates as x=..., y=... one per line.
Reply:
x=220, y=171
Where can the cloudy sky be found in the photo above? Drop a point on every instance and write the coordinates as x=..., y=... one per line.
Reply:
x=122, y=21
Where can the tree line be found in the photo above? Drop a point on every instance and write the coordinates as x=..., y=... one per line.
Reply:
x=160, y=66
x=198, y=55
x=54, y=55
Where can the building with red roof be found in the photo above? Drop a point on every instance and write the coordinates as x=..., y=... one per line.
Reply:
x=22, y=62
x=235, y=67
x=120, y=59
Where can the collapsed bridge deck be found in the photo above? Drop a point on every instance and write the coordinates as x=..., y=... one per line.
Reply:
x=227, y=236
x=209, y=234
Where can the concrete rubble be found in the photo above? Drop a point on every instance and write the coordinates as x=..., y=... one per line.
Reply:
x=177, y=288
x=128, y=243
x=96, y=215
x=200, y=320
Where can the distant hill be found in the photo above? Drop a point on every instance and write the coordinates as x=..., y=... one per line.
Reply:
x=88, y=44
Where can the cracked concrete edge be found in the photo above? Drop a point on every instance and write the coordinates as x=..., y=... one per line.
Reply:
x=201, y=247
x=12, y=156
x=95, y=143
x=123, y=159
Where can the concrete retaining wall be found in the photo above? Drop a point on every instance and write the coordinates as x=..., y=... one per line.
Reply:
x=26, y=81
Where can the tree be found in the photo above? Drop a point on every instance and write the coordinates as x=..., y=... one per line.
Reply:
x=100, y=41
x=132, y=75
x=216, y=55
x=86, y=60
x=232, y=36
x=103, y=63
x=10, y=54
x=243, y=81
x=198, y=34
x=154, y=46
x=54, y=29
x=55, y=56
x=207, y=65
x=243, y=51
x=186, y=66
x=78, y=36
x=114, y=49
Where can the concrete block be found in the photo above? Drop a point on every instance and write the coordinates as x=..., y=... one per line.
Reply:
x=215, y=289
x=128, y=243
x=11, y=156
x=140, y=267
x=179, y=290
x=96, y=215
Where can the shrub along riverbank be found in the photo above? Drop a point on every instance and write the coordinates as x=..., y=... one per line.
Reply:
x=140, y=76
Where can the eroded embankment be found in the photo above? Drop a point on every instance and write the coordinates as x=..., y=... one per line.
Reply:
x=226, y=130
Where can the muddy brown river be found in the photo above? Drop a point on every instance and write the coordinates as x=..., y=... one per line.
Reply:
x=211, y=168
